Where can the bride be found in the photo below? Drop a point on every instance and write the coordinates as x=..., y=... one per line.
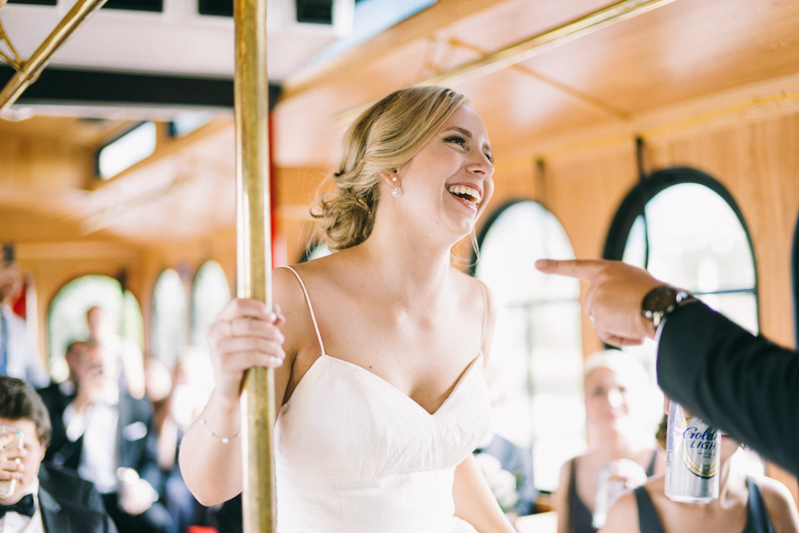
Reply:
x=379, y=349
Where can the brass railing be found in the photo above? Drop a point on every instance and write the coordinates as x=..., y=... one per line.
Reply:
x=28, y=71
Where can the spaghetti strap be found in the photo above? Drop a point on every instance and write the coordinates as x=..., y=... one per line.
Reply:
x=485, y=314
x=310, y=307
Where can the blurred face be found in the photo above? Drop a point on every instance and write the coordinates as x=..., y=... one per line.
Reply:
x=98, y=368
x=157, y=380
x=31, y=460
x=606, y=399
x=448, y=182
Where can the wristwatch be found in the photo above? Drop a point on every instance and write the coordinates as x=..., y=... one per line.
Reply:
x=661, y=301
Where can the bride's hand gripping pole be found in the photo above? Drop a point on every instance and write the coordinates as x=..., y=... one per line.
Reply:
x=254, y=255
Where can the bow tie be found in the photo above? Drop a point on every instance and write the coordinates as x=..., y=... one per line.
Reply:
x=24, y=506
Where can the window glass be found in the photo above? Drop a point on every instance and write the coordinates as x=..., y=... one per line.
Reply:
x=315, y=251
x=209, y=296
x=124, y=152
x=170, y=321
x=535, y=372
x=697, y=242
x=67, y=317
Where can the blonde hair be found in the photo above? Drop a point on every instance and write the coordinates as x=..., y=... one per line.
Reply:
x=383, y=138
x=623, y=364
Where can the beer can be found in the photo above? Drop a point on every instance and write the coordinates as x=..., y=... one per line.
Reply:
x=692, y=458
x=8, y=486
x=609, y=488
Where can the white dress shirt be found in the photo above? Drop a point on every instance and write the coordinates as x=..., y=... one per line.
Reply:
x=17, y=523
x=98, y=424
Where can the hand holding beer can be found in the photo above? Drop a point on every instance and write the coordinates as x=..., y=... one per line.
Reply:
x=692, y=458
x=614, y=479
x=8, y=486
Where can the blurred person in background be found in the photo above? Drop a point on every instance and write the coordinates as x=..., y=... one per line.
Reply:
x=741, y=383
x=57, y=396
x=747, y=503
x=101, y=331
x=620, y=445
x=175, y=408
x=18, y=355
x=109, y=441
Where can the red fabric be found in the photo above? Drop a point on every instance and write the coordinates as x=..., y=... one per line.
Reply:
x=20, y=305
x=201, y=529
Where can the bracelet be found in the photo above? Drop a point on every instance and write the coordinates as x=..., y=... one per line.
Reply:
x=211, y=433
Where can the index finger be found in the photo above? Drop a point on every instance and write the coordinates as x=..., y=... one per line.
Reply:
x=6, y=439
x=584, y=269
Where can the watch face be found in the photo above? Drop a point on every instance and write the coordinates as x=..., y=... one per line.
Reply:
x=660, y=300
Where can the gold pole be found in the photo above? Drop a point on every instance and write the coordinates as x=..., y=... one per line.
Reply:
x=29, y=71
x=254, y=256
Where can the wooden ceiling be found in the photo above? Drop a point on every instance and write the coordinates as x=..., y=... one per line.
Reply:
x=679, y=53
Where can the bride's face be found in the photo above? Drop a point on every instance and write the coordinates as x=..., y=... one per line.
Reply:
x=448, y=183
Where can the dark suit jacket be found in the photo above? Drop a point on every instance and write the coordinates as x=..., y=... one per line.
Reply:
x=56, y=402
x=61, y=516
x=136, y=442
x=65, y=484
x=741, y=383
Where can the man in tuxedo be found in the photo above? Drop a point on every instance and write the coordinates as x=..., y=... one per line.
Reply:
x=109, y=441
x=57, y=397
x=736, y=381
x=39, y=501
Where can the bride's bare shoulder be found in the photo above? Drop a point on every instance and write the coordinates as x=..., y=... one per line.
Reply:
x=287, y=283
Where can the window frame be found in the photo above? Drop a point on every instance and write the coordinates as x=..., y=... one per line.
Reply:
x=650, y=186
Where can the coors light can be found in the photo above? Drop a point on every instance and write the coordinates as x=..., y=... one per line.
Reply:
x=692, y=458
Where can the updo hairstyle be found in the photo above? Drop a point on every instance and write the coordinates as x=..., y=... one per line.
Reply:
x=383, y=138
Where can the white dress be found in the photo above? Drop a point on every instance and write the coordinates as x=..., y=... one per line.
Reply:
x=353, y=454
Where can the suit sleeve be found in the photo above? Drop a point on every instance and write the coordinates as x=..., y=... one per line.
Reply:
x=738, y=382
x=148, y=467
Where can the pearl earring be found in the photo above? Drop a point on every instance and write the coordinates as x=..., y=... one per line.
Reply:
x=395, y=191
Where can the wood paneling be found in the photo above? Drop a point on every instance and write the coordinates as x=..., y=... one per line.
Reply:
x=712, y=84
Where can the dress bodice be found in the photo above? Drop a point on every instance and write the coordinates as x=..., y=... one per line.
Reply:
x=354, y=454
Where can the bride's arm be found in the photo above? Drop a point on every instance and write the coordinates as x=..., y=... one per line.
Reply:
x=474, y=501
x=244, y=335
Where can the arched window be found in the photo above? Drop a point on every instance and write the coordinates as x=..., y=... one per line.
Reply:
x=686, y=229
x=170, y=321
x=536, y=365
x=66, y=321
x=209, y=295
